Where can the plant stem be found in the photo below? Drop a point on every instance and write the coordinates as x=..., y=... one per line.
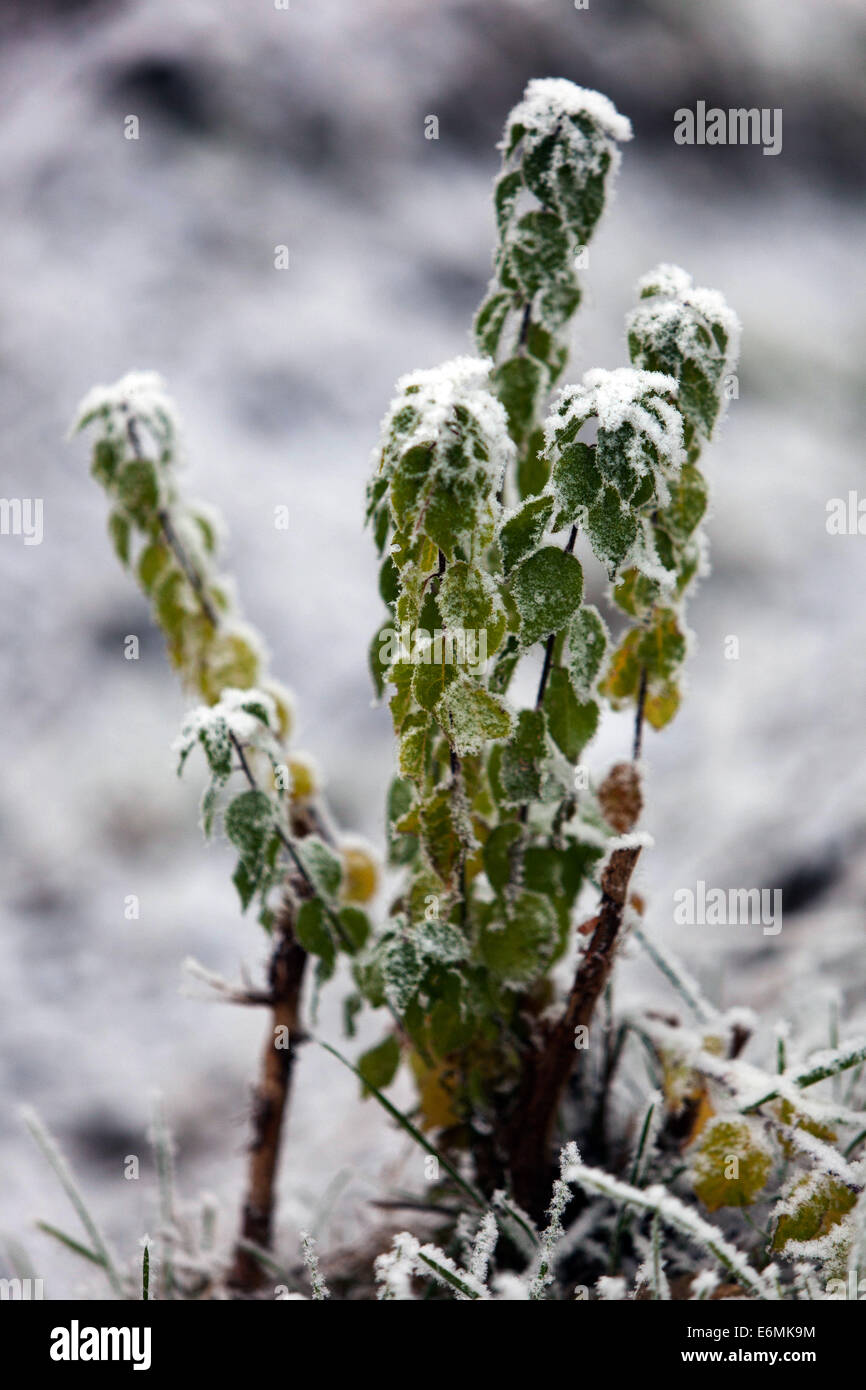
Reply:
x=547, y=1068
x=286, y=979
x=638, y=720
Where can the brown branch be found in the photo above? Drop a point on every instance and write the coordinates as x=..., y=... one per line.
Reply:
x=285, y=980
x=548, y=1067
x=285, y=987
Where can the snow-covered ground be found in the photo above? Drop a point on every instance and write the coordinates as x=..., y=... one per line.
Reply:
x=262, y=127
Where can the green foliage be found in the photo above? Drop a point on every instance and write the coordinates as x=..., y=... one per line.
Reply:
x=480, y=509
x=559, y=159
x=486, y=495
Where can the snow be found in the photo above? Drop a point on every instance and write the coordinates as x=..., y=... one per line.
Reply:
x=139, y=393
x=159, y=253
x=627, y=396
x=548, y=99
x=436, y=392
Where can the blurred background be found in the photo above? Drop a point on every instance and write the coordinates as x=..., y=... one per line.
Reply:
x=305, y=127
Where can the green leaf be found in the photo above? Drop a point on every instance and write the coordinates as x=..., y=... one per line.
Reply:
x=378, y=1066
x=120, y=530
x=575, y=481
x=208, y=531
x=431, y=680
x=587, y=644
x=248, y=823
x=389, y=581
x=504, y=666
x=499, y=857
x=518, y=945
x=689, y=496
x=698, y=399
x=558, y=873
x=533, y=467
x=663, y=648
x=466, y=597
x=246, y=881
x=521, y=765
x=314, y=934
x=401, y=798
x=636, y=593
x=440, y=942
x=104, y=462
x=472, y=717
x=138, y=488
x=449, y=1030
x=547, y=588
x=322, y=865
x=539, y=250
x=519, y=385
x=612, y=529
x=823, y=1201
x=439, y=834
x=218, y=748
x=414, y=744
x=523, y=531
x=571, y=722
x=356, y=926
x=491, y=320
x=152, y=563
x=402, y=972
x=732, y=1163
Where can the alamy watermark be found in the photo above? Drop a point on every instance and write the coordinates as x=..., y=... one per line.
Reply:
x=737, y=126
x=734, y=907
x=460, y=646
x=846, y=517
x=22, y=1290
x=22, y=516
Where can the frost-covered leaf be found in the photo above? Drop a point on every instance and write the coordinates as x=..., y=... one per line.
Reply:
x=693, y=335
x=472, y=716
x=521, y=534
x=402, y=972
x=521, y=767
x=401, y=798
x=440, y=834
x=559, y=157
x=731, y=1162
x=813, y=1205
x=440, y=942
x=445, y=446
x=248, y=822
x=322, y=865
x=587, y=644
x=414, y=744
x=547, y=588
